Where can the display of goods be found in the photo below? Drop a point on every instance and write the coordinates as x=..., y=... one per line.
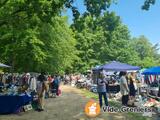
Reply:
x=151, y=102
x=158, y=105
x=155, y=84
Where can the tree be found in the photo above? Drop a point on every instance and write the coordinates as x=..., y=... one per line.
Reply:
x=34, y=37
x=96, y=7
x=17, y=39
x=146, y=51
x=102, y=39
x=143, y=47
x=59, y=45
x=86, y=38
x=93, y=7
x=147, y=4
x=116, y=45
x=25, y=9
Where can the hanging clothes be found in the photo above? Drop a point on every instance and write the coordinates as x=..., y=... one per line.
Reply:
x=151, y=78
x=33, y=84
x=143, y=79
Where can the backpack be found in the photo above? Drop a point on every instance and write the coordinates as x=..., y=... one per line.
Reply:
x=56, y=82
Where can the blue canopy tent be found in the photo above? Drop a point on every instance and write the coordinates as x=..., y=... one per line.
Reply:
x=152, y=71
x=117, y=66
x=3, y=65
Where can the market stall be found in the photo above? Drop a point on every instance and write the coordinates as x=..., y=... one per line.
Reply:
x=18, y=93
x=13, y=98
x=114, y=66
x=112, y=78
x=152, y=78
x=13, y=103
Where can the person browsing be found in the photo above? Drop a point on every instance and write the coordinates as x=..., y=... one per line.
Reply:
x=101, y=88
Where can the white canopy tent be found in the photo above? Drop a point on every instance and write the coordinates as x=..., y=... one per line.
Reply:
x=4, y=66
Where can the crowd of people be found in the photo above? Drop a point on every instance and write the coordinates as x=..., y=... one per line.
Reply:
x=128, y=87
x=49, y=85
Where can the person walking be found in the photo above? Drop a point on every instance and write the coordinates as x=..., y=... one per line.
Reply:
x=41, y=88
x=56, y=84
x=101, y=88
x=124, y=88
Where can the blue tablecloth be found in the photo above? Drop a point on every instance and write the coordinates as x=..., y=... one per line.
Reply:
x=10, y=104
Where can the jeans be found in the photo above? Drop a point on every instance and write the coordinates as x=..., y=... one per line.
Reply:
x=125, y=100
x=105, y=98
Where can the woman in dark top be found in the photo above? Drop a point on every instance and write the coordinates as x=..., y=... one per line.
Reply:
x=132, y=88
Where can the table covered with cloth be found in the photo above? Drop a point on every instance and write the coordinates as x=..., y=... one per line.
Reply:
x=113, y=88
x=10, y=104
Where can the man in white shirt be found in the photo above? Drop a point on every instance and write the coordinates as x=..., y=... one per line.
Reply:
x=124, y=88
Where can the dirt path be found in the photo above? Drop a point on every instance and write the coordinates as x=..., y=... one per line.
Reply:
x=69, y=106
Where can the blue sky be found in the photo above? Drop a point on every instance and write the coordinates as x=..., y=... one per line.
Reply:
x=139, y=22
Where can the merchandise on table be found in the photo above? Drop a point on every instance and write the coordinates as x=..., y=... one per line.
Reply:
x=13, y=103
x=151, y=103
x=113, y=88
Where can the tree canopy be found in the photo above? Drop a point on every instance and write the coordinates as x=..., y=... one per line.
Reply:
x=102, y=37
x=35, y=37
x=147, y=4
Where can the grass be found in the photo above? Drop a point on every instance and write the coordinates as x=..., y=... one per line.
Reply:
x=94, y=96
x=130, y=115
x=136, y=116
